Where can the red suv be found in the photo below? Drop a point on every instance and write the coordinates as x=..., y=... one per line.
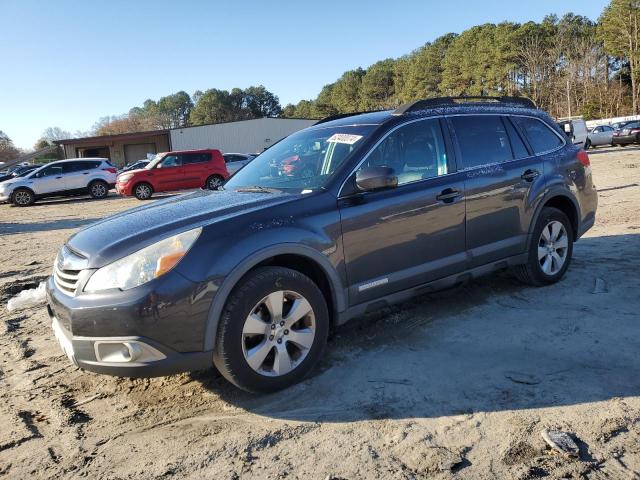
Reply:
x=175, y=171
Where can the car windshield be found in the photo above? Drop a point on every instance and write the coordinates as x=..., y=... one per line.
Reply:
x=22, y=173
x=155, y=161
x=305, y=160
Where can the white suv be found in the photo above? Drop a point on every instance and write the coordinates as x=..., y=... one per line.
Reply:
x=94, y=176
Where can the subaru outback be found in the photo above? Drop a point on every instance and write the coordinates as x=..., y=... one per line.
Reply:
x=252, y=277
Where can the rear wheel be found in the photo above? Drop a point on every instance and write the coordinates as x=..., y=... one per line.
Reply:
x=550, y=250
x=98, y=189
x=23, y=197
x=143, y=191
x=214, y=182
x=587, y=144
x=273, y=330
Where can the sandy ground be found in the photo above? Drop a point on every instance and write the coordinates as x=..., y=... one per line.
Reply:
x=454, y=385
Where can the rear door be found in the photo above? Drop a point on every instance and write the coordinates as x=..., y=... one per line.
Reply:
x=502, y=177
x=79, y=172
x=196, y=168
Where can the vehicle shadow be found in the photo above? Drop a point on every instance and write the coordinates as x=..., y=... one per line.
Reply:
x=62, y=224
x=598, y=150
x=490, y=345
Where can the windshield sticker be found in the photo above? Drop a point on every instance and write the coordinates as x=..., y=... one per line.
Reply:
x=345, y=138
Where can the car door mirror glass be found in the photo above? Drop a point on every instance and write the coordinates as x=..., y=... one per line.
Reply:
x=376, y=178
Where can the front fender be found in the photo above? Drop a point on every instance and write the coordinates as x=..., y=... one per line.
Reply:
x=230, y=281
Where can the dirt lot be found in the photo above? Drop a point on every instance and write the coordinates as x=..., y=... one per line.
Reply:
x=455, y=385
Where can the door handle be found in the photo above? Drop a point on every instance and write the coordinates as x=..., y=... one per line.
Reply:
x=448, y=195
x=530, y=175
x=58, y=178
x=86, y=173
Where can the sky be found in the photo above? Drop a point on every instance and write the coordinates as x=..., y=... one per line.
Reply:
x=67, y=63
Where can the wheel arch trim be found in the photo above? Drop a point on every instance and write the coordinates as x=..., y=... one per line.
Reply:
x=550, y=195
x=217, y=305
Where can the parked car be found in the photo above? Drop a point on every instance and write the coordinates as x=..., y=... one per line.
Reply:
x=78, y=176
x=134, y=166
x=620, y=125
x=255, y=275
x=235, y=161
x=575, y=129
x=629, y=134
x=600, y=135
x=172, y=171
x=18, y=172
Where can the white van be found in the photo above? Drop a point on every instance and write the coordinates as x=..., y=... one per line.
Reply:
x=576, y=129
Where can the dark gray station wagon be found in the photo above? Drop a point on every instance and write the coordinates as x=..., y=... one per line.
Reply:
x=337, y=220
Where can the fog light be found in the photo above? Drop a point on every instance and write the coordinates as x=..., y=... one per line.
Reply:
x=126, y=352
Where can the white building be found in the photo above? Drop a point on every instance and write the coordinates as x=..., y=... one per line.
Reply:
x=246, y=136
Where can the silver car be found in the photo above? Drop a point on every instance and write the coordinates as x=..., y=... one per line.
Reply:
x=78, y=176
x=600, y=135
x=235, y=161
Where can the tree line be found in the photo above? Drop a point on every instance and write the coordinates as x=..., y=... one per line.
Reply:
x=567, y=65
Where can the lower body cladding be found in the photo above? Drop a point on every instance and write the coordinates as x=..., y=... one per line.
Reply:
x=625, y=140
x=153, y=330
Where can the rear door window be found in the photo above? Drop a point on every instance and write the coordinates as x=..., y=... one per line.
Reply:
x=518, y=146
x=191, y=158
x=541, y=138
x=482, y=139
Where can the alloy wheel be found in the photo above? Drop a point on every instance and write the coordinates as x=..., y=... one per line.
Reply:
x=22, y=198
x=553, y=247
x=214, y=183
x=98, y=190
x=143, y=191
x=278, y=333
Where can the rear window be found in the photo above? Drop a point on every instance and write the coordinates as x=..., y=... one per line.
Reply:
x=541, y=138
x=86, y=165
x=482, y=139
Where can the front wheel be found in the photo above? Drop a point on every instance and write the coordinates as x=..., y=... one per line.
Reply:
x=587, y=145
x=550, y=249
x=143, y=191
x=272, y=331
x=23, y=197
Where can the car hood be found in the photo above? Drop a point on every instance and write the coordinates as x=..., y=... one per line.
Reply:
x=10, y=181
x=127, y=232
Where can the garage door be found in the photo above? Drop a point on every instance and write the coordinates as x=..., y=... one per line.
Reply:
x=138, y=151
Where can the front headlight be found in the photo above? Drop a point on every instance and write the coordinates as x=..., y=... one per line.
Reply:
x=144, y=265
x=125, y=177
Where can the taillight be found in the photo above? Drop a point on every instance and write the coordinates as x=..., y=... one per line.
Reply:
x=584, y=158
x=110, y=170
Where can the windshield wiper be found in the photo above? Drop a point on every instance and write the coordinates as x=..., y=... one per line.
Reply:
x=256, y=189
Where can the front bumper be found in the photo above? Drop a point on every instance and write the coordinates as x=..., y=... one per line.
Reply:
x=125, y=189
x=121, y=334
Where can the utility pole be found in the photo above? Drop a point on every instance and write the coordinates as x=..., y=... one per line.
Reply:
x=568, y=98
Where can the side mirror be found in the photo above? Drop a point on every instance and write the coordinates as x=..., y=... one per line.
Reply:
x=376, y=178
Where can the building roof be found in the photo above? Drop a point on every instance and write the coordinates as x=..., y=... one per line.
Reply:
x=106, y=138
x=151, y=133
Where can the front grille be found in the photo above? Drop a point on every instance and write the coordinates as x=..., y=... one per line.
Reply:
x=66, y=280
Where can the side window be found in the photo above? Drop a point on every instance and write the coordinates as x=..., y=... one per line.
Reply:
x=50, y=171
x=519, y=149
x=483, y=140
x=606, y=129
x=170, y=161
x=415, y=151
x=191, y=158
x=541, y=138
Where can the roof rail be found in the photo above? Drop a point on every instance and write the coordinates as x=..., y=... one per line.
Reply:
x=449, y=101
x=341, y=115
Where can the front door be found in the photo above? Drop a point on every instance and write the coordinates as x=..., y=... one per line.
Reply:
x=168, y=174
x=50, y=179
x=501, y=177
x=402, y=237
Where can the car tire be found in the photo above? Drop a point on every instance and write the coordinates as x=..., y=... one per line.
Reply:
x=587, y=144
x=143, y=191
x=98, y=189
x=258, y=351
x=550, y=249
x=213, y=182
x=23, y=197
